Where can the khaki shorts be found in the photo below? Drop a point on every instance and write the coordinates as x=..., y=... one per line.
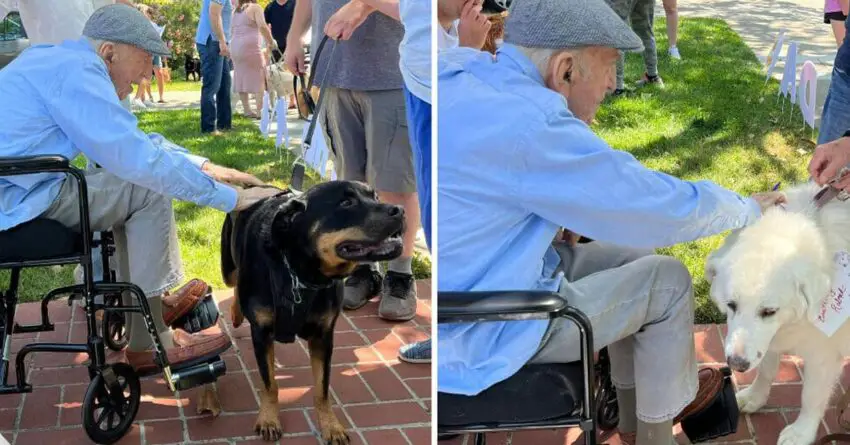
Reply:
x=367, y=133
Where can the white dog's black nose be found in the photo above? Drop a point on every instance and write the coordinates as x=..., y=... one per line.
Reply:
x=737, y=363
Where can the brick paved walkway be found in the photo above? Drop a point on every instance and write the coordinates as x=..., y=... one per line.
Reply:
x=380, y=400
x=761, y=428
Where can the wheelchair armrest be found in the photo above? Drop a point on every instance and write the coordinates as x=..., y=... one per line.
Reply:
x=455, y=307
x=33, y=164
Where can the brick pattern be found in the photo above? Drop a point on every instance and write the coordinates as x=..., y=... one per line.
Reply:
x=381, y=400
x=762, y=427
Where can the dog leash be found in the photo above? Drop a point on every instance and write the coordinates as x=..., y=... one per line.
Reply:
x=843, y=404
x=830, y=192
x=299, y=166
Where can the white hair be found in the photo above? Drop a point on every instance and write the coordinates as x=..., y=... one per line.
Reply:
x=96, y=43
x=540, y=57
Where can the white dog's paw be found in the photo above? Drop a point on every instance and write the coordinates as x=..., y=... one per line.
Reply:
x=796, y=434
x=750, y=401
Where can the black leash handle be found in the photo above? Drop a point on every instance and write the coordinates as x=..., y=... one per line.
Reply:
x=298, y=168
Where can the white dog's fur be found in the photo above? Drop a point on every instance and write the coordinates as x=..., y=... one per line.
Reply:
x=280, y=83
x=783, y=262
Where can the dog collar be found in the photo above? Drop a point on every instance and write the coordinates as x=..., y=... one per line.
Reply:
x=299, y=286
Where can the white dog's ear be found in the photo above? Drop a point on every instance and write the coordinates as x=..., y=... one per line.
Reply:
x=812, y=286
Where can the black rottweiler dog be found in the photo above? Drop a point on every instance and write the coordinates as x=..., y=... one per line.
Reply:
x=192, y=65
x=286, y=256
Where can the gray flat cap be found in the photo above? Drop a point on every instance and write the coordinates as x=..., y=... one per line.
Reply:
x=121, y=23
x=559, y=24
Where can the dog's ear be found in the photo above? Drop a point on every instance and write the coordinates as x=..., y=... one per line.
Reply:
x=286, y=215
x=812, y=287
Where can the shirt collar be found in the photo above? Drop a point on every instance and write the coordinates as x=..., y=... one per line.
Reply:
x=514, y=58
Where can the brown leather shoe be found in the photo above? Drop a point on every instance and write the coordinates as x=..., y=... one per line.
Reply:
x=183, y=300
x=710, y=384
x=189, y=349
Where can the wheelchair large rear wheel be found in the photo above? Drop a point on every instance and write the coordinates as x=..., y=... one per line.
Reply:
x=109, y=410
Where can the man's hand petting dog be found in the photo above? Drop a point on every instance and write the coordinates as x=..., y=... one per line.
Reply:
x=767, y=200
x=245, y=198
x=230, y=176
x=828, y=161
x=474, y=26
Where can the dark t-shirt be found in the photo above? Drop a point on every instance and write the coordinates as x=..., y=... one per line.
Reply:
x=280, y=19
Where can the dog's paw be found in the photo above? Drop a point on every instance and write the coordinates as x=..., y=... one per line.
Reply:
x=750, y=401
x=796, y=434
x=334, y=434
x=268, y=426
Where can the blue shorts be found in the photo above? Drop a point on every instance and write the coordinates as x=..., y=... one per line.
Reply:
x=419, y=130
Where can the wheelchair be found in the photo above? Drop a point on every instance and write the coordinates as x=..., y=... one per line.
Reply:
x=554, y=395
x=113, y=396
x=538, y=396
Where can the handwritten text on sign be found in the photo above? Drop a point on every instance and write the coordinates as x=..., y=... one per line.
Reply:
x=835, y=309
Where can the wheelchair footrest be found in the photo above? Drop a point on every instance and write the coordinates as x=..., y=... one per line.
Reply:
x=197, y=375
x=18, y=329
x=716, y=420
x=14, y=389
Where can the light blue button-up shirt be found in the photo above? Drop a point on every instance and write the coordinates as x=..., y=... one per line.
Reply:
x=515, y=165
x=205, y=29
x=59, y=100
x=415, y=48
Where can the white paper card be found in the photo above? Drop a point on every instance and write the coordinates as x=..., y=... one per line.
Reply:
x=835, y=309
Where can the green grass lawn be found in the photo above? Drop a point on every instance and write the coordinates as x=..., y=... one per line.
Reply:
x=715, y=120
x=198, y=228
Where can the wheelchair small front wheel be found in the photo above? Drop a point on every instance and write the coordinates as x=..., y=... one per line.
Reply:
x=109, y=410
x=114, y=326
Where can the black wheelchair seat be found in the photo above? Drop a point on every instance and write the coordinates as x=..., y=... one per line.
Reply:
x=536, y=393
x=39, y=239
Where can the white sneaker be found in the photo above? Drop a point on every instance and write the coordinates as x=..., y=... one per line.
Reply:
x=139, y=104
x=149, y=104
x=674, y=53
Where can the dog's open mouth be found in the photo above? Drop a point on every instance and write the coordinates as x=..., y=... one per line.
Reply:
x=364, y=250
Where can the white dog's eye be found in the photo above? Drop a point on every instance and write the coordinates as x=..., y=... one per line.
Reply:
x=767, y=312
x=732, y=306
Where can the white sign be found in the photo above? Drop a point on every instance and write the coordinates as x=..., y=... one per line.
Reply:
x=835, y=309
x=318, y=154
x=282, y=128
x=808, y=92
x=773, y=55
x=265, y=115
x=789, y=77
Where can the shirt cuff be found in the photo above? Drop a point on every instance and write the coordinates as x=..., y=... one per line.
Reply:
x=224, y=198
x=197, y=161
x=753, y=212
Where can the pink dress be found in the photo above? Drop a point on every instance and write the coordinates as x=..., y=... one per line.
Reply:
x=247, y=54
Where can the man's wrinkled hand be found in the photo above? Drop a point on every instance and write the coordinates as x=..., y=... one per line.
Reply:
x=347, y=19
x=473, y=27
x=247, y=197
x=828, y=161
x=231, y=176
x=767, y=200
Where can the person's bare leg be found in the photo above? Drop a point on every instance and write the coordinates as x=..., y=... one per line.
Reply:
x=246, y=103
x=838, y=31
x=160, y=83
x=410, y=203
x=258, y=101
x=672, y=12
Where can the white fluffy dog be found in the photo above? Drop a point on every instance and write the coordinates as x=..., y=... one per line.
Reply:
x=280, y=83
x=771, y=278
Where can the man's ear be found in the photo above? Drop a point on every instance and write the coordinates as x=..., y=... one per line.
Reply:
x=561, y=71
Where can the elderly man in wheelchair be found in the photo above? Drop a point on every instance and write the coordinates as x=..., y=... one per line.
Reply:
x=63, y=100
x=516, y=311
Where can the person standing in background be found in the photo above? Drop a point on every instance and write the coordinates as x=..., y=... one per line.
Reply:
x=671, y=10
x=835, y=14
x=641, y=15
x=279, y=15
x=365, y=126
x=249, y=27
x=212, y=39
